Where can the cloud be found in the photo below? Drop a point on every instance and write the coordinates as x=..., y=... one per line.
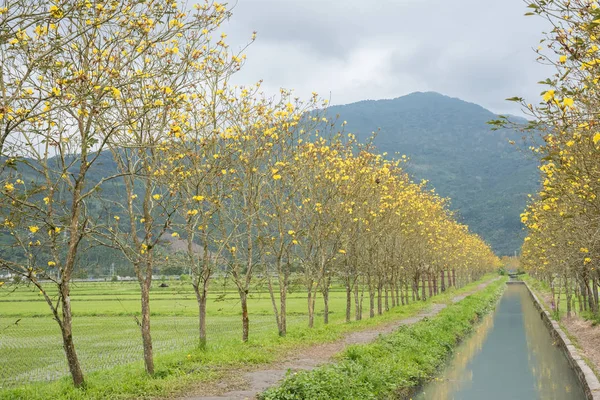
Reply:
x=477, y=50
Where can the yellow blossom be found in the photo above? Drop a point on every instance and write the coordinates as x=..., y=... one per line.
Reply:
x=55, y=12
x=568, y=102
x=549, y=95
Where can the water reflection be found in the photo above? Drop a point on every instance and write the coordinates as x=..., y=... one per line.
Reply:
x=546, y=366
x=458, y=373
x=510, y=356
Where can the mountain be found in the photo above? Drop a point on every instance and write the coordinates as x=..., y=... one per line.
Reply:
x=450, y=144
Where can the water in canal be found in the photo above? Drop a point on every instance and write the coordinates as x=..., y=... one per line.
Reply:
x=510, y=356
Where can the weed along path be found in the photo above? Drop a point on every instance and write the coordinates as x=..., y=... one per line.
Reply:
x=234, y=387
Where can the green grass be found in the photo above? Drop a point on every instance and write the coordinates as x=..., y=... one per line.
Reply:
x=122, y=299
x=394, y=364
x=109, y=344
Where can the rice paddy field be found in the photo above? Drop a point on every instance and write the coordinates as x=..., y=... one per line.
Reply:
x=106, y=331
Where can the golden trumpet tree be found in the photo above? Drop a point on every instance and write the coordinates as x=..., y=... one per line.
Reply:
x=562, y=220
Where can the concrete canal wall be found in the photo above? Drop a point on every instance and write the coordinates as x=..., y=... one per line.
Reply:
x=586, y=376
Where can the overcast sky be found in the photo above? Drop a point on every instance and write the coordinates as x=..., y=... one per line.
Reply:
x=351, y=50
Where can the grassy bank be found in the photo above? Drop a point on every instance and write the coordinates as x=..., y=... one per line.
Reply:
x=394, y=364
x=544, y=289
x=182, y=367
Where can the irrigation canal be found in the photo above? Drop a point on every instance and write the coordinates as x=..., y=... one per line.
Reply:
x=510, y=356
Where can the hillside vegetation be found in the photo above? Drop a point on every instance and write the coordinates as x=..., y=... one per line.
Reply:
x=451, y=145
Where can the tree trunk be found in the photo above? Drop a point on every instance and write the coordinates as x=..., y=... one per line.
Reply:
x=283, y=309
x=595, y=293
x=201, y=299
x=274, y=304
x=442, y=281
x=423, y=295
x=568, y=294
x=429, y=287
x=590, y=295
x=415, y=289
x=577, y=292
x=453, y=277
x=202, y=320
x=386, y=303
x=584, y=293
x=357, y=305
x=67, y=334
x=371, y=302
x=146, y=336
x=245, y=318
x=400, y=294
x=553, y=293
x=379, y=301
x=348, y=302
x=326, y=304
x=283, y=276
x=558, y=300
x=311, y=308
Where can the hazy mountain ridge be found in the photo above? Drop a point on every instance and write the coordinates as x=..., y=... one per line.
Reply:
x=450, y=144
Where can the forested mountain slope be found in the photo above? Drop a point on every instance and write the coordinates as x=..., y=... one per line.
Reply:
x=450, y=145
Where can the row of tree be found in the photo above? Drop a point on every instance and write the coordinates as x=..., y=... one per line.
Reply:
x=119, y=128
x=563, y=220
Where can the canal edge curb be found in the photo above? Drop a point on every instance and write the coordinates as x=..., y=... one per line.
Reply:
x=584, y=373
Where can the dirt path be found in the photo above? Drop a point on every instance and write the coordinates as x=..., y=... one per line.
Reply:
x=254, y=382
